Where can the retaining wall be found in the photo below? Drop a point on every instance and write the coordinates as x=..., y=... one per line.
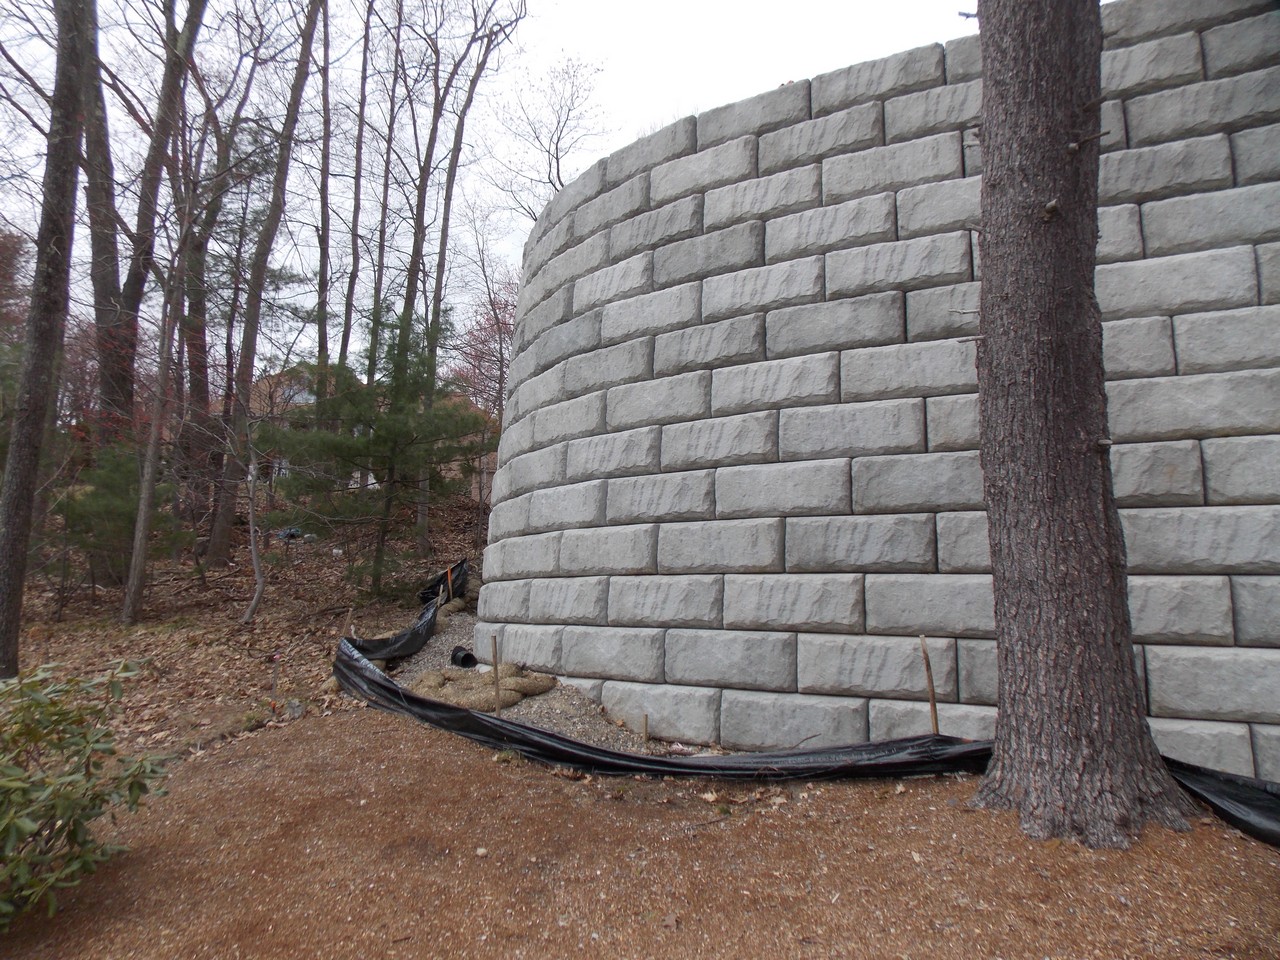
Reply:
x=739, y=474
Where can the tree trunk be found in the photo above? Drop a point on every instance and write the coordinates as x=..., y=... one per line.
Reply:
x=1073, y=753
x=322, y=298
x=357, y=174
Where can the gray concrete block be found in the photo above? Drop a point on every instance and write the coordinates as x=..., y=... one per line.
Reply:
x=534, y=322
x=1165, y=170
x=939, y=207
x=1256, y=603
x=517, y=558
x=556, y=240
x=901, y=73
x=710, y=345
x=1230, y=340
x=1232, y=103
x=963, y=545
x=532, y=470
x=509, y=518
x=620, y=203
x=614, y=455
x=964, y=59
x=1157, y=474
x=689, y=495
x=941, y=312
x=916, y=483
x=1242, y=470
x=747, y=660
x=1214, y=280
x=652, y=313
x=915, y=115
x=703, y=171
x=1138, y=347
x=952, y=423
x=683, y=601
x=791, y=382
x=1119, y=234
x=1269, y=272
x=521, y=368
x=622, y=363
x=540, y=391
x=1208, y=220
x=878, y=169
x=1218, y=746
x=668, y=400
x=1115, y=133
x=720, y=546
x=626, y=279
x=904, y=265
x=604, y=551
x=957, y=605
x=836, y=325
x=675, y=713
x=723, y=441
x=615, y=653
x=893, y=719
x=1181, y=610
x=764, y=198
x=794, y=601
x=1206, y=405
x=890, y=667
x=926, y=369
x=533, y=646
x=577, y=261
x=579, y=335
x=1244, y=45
x=763, y=288
x=764, y=721
x=516, y=439
x=575, y=505
x=1155, y=65
x=591, y=689
x=851, y=430
x=845, y=132
x=1256, y=154
x=805, y=488
x=1204, y=540
x=780, y=107
x=1130, y=21
x=722, y=251
x=580, y=600
x=568, y=420
x=876, y=544
x=504, y=600
x=1266, y=752
x=1214, y=684
x=673, y=221
x=676, y=140
x=851, y=224
x=979, y=671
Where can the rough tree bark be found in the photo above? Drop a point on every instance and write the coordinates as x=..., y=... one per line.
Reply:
x=1073, y=753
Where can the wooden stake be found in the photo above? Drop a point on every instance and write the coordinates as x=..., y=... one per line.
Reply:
x=497, y=681
x=928, y=677
x=644, y=728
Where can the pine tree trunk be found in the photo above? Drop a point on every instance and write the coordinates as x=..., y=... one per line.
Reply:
x=1073, y=753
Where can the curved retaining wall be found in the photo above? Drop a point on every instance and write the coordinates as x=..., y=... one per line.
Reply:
x=739, y=476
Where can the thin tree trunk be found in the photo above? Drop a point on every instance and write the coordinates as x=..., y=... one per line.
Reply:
x=255, y=544
x=357, y=174
x=322, y=299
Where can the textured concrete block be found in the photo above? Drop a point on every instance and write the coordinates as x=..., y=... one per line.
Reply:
x=620, y=203
x=1167, y=170
x=781, y=107
x=881, y=544
x=682, y=601
x=1157, y=474
x=1230, y=340
x=763, y=288
x=1257, y=154
x=794, y=601
x=671, y=496
x=1256, y=603
x=851, y=430
x=723, y=441
x=723, y=251
x=532, y=470
x=516, y=439
x=720, y=546
x=905, y=265
x=1214, y=280
x=1119, y=234
x=1155, y=65
x=963, y=545
x=504, y=600
x=764, y=198
x=577, y=261
x=569, y=600
x=851, y=224
x=901, y=73
x=621, y=363
x=534, y=646
x=509, y=518
x=616, y=653
x=939, y=207
x=1218, y=746
x=1115, y=133
x=677, y=713
x=737, y=340
x=614, y=454
x=1269, y=272
x=893, y=719
x=540, y=391
x=588, y=184
x=674, y=221
x=1138, y=347
x=952, y=422
x=626, y=279
x=845, y=132
x=1208, y=220
x=908, y=369
x=747, y=660
x=668, y=400
x=979, y=671
x=651, y=313
x=569, y=420
x=762, y=721
x=676, y=140
x=1214, y=684
x=893, y=167
x=1266, y=752
x=1203, y=539
x=964, y=59
x=1242, y=469
x=704, y=170
x=575, y=505
x=591, y=689
x=1181, y=610
x=790, y=382
x=1130, y=21
x=579, y=335
x=534, y=322
x=918, y=482
x=1232, y=103
x=837, y=325
x=1244, y=45
x=916, y=115
x=875, y=666
x=805, y=488
x=518, y=557
x=941, y=312
x=958, y=605
x=542, y=247
x=1207, y=405
x=608, y=550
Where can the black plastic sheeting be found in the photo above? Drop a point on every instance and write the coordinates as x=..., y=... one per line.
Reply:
x=439, y=590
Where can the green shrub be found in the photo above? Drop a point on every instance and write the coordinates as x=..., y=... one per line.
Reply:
x=59, y=771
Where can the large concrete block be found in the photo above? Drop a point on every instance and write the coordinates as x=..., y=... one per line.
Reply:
x=621, y=363
x=1131, y=21
x=620, y=203
x=765, y=721
x=952, y=422
x=532, y=645
x=1228, y=340
x=958, y=605
x=575, y=505
x=1242, y=469
x=608, y=550
x=577, y=261
x=1181, y=610
x=581, y=600
x=893, y=719
x=1138, y=347
x=676, y=713
x=668, y=223
x=682, y=601
x=1155, y=65
x=794, y=601
x=1119, y=234
x=721, y=546
x=652, y=313
x=1157, y=474
x=1257, y=154
x=1214, y=684
x=1208, y=220
x=890, y=667
x=1218, y=746
x=964, y=59
x=845, y=132
x=1207, y=405
x=534, y=322
x=919, y=482
x=516, y=439
x=1232, y=103
x=675, y=140
x=875, y=544
x=722, y=251
x=979, y=672
x=781, y=107
x=790, y=382
x=1214, y=280
x=616, y=653
x=670, y=496
x=1269, y=272
x=804, y=488
x=1166, y=170
x=851, y=224
x=851, y=430
x=764, y=198
x=509, y=518
x=614, y=454
x=542, y=248
x=763, y=288
x=519, y=557
x=626, y=279
x=915, y=115
x=963, y=544
x=854, y=175
x=723, y=441
x=504, y=600
x=704, y=170
x=536, y=392
x=733, y=341
x=939, y=207
x=669, y=400
x=747, y=660
x=1203, y=539
x=1244, y=45
x=588, y=184
x=903, y=265
x=941, y=312
x=908, y=370
x=836, y=325
x=891, y=76
x=580, y=417
x=1266, y=752
x=1256, y=603
x=532, y=470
